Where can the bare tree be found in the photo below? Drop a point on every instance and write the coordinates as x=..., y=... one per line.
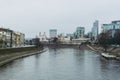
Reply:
x=103, y=40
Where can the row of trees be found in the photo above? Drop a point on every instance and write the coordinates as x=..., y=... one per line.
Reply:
x=108, y=38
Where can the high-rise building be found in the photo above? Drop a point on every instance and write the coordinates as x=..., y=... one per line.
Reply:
x=53, y=33
x=111, y=26
x=80, y=31
x=95, y=29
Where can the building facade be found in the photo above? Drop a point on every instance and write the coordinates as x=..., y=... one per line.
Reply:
x=5, y=37
x=43, y=37
x=80, y=32
x=18, y=39
x=111, y=26
x=89, y=35
x=53, y=33
x=95, y=29
x=10, y=38
x=69, y=35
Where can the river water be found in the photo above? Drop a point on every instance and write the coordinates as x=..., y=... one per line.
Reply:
x=62, y=64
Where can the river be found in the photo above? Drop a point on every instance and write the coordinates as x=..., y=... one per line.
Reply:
x=62, y=64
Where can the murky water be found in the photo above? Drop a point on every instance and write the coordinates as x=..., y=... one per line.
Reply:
x=62, y=64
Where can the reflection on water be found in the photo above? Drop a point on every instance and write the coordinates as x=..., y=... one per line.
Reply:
x=62, y=64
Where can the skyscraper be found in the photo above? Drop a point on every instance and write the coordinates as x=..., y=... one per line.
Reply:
x=95, y=29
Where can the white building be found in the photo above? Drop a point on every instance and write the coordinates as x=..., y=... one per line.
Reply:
x=43, y=37
x=95, y=29
x=53, y=33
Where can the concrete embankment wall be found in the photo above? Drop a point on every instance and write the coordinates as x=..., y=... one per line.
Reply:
x=14, y=50
x=62, y=45
x=8, y=55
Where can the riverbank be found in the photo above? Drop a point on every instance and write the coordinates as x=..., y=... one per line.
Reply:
x=14, y=54
x=111, y=51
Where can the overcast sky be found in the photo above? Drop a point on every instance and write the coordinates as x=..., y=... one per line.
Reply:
x=34, y=16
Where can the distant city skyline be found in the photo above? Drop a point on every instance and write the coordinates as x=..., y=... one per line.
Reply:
x=34, y=16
